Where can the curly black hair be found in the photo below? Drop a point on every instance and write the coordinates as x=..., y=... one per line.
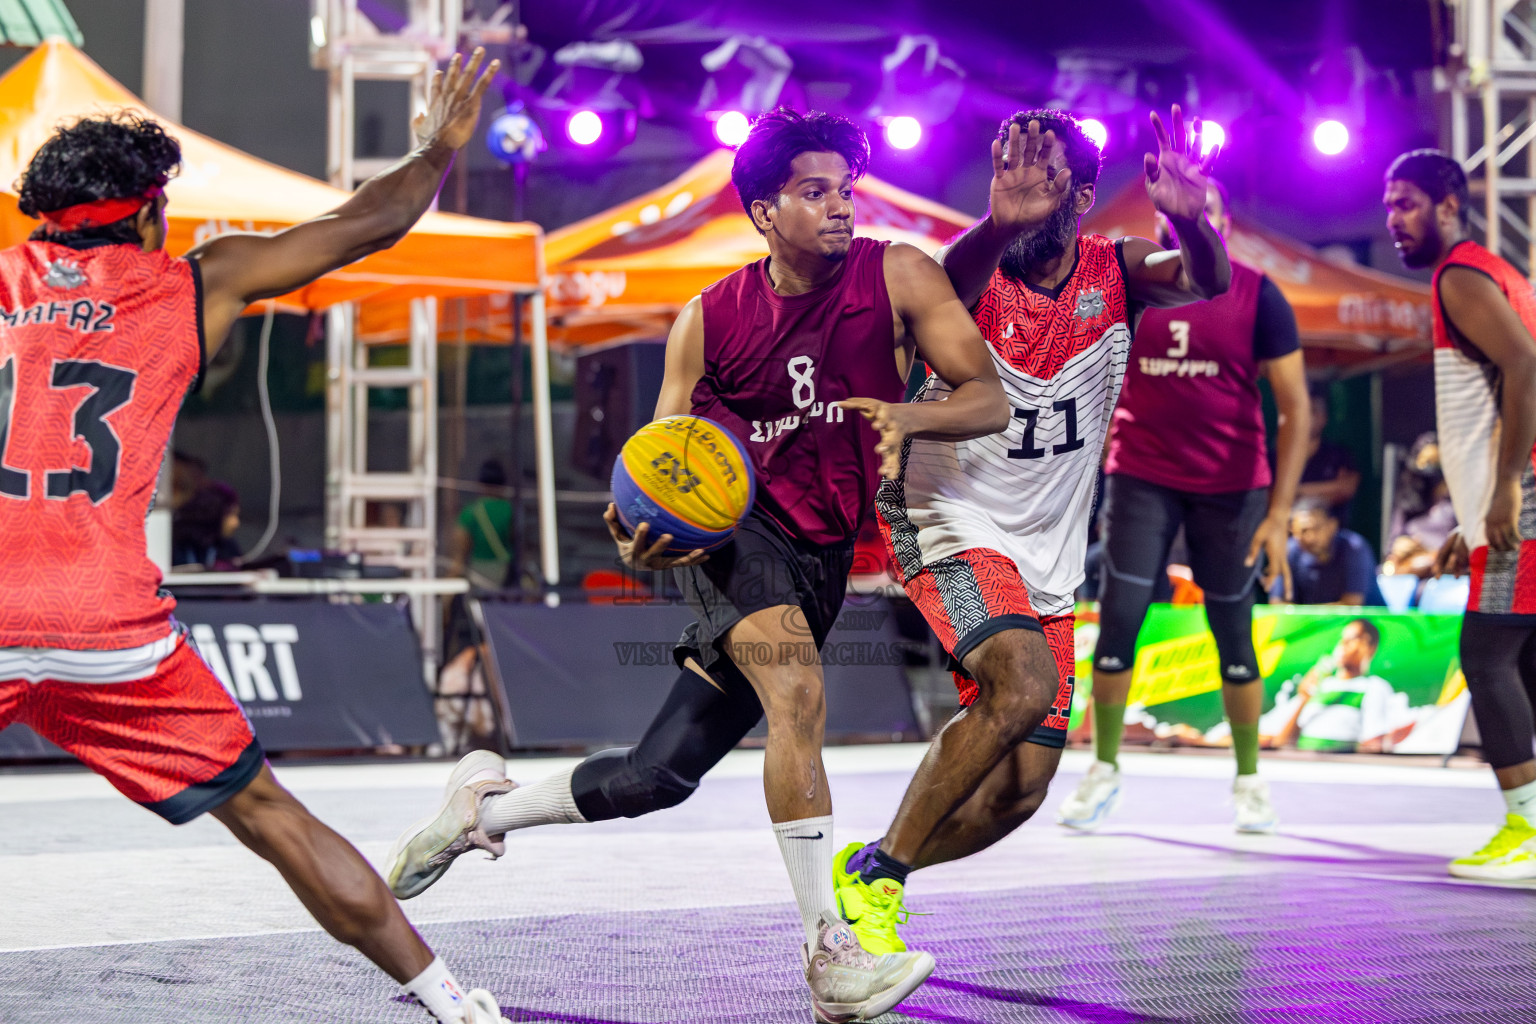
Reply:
x=112, y=156
x=761, y=168
x=1083, y=156
x=1437, y=174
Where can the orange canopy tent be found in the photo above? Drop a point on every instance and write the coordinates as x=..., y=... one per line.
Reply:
x=221, y=189
x=1352, y=319
x=623, y=274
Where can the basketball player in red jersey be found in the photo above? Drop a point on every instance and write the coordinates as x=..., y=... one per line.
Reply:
x=793, y=354
x=1208, y=473
x=1485, y=418
x=101, y=336
x=990, y=534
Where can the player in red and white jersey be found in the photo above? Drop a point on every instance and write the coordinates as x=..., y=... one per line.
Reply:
x=102, y=334
x=990, y=534
x=1485, y=417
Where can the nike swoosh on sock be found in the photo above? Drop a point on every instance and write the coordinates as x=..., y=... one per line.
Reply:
x=816, y=836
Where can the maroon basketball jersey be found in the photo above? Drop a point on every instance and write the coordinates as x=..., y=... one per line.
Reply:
x=774, y=367
x=1190, y=416
x=98, y=347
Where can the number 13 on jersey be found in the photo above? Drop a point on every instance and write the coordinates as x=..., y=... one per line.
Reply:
x=111, y=388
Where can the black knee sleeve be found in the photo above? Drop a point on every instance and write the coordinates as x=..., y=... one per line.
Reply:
x=1231, y=624
x=1123, y=603
x=617, y=784
x=697, y=725
x=1492, y=659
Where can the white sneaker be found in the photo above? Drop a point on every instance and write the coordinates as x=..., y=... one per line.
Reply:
x=1096, y=796
x=849, y=984
x=424, y=851
x=1255, y=813
x=480, y=1007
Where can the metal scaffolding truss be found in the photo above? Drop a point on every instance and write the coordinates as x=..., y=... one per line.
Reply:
x=1487, y=65
x=359, y=499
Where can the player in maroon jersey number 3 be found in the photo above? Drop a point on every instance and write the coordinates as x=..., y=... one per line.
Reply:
x=103, y=336
x=817, y=340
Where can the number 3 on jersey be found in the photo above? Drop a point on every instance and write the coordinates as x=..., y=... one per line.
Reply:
x=111, y=388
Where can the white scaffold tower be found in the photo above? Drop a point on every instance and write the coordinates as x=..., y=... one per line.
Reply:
x=346, y=44
x=1487, y=66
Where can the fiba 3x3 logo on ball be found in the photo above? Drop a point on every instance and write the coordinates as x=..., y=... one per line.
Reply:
x=687, y=476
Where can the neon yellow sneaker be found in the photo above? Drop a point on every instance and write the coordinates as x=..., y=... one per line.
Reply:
x=1509, y=856
x=871, y=910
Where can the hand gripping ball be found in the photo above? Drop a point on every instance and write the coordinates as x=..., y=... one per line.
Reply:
x=687, y=476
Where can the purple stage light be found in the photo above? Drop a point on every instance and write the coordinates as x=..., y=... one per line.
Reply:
x=1330, y=137
x=731, y=128
x=1095, y=130
x=903, y=132
x=584, y=127
x=1211, y=136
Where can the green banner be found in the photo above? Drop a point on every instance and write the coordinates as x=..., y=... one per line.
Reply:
x=1335, y=681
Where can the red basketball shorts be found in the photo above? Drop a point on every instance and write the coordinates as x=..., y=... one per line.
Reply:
x=174, y=741
x=968, y=597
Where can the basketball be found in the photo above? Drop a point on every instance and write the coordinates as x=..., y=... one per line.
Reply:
x=687, y=476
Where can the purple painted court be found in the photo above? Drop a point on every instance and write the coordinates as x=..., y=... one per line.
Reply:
x=1166, y=915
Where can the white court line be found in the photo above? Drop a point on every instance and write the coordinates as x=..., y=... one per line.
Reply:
x=903, y=758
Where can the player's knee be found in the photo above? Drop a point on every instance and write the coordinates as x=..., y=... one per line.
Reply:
x=797, y=704
x=1016, y=700
x=622, y=785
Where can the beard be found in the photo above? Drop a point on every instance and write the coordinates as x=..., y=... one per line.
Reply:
x=1427, y=252
x=1046, y=243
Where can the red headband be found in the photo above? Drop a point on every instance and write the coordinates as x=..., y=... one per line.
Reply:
x=100, y=212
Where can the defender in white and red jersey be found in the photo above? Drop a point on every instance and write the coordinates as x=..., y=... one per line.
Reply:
x=1485, y=416
x=990, y=534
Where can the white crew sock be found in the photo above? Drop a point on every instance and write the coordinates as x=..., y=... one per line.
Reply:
x=438, y=990
x=806, y=846
x=546, y=802
x=1522, y=801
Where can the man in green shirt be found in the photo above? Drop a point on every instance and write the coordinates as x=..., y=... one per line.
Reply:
x=1339, y=705
x=481, y=537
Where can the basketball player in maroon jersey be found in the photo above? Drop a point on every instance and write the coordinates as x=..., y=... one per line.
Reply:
x=990, y=534
x=1485, y=419
x=1210, y=475
x=103, y=335
x=803, y=356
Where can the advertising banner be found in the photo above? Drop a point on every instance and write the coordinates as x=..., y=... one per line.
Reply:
x=595, y=674
x=310, y=675
x=1334, y=680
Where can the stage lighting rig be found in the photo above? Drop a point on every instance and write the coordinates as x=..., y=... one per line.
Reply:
x=746, y=74
x=595, y=103
x=918, y=86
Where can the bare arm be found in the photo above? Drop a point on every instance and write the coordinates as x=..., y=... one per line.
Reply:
x=948, y=341
x=684, y=366
x=1197, y=270
x=1287, y=378
x=244, y=268
x=1484, y=317
x=1336, y=491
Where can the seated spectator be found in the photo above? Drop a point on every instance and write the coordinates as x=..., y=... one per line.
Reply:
x=482, y=535
x=1329, y=474
x=1407, y=557
x=1421, y=505
x=1329, y=565
x=203, y=530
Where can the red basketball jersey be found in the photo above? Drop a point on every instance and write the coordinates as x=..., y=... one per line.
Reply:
x=98, y=347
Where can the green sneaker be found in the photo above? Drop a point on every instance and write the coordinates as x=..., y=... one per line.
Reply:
x=1509, y=856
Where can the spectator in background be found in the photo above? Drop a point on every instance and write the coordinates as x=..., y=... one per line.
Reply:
x=1421, y=505
x=1329, y=473
x=188, y=474
x=1329, y=565
x=203, y=530
x=481, y=537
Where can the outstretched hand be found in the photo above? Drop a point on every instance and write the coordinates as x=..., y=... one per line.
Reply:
x=891, y=420
x=1026, y=189
x=453, y=102
x=1177, y=176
